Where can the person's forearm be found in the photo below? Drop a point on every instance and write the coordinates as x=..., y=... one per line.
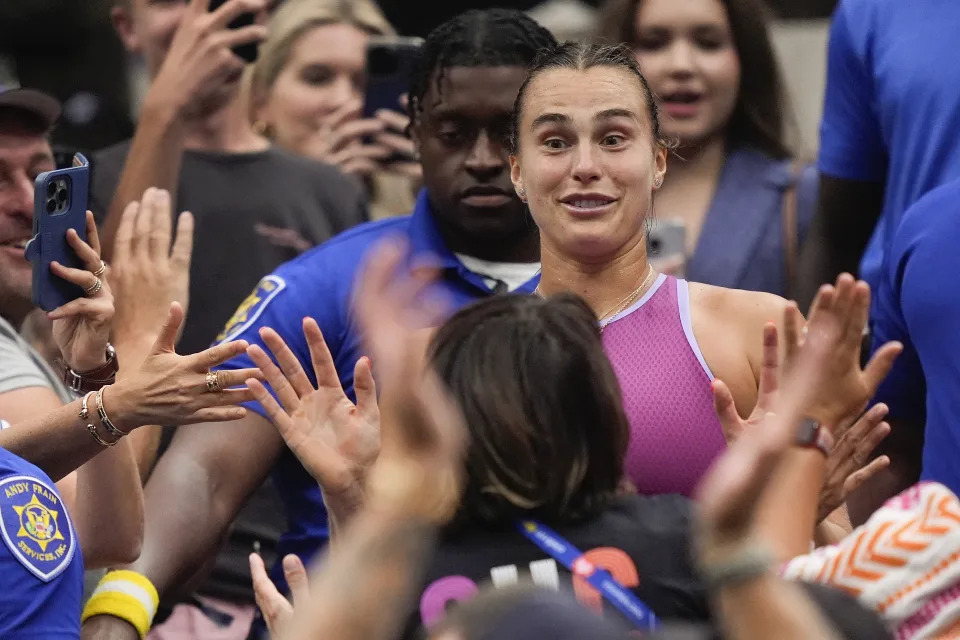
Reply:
x=846, y=215
x=57, y=442
x=768, y=607
x=153, y=160
x=362, y=588
x=787, y=515
x=133, y=347
x=108, y=512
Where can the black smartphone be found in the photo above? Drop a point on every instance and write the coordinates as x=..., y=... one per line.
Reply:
x=390, y=64
x=248, y=52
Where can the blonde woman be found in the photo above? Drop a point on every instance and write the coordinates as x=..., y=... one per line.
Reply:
x=307, y=96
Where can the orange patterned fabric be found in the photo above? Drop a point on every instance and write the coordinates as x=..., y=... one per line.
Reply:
x=904, y=562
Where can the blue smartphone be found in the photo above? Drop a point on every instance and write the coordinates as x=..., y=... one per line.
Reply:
x=59, y=203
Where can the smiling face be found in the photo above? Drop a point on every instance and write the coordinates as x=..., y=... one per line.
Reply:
x=325, y=71
x=24, y=153
x=686, y=51
x=587, y=160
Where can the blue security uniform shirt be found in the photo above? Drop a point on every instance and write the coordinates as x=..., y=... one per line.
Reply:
x=892, y=104
x=41, y=567
x=918, y=303
x=318, y=284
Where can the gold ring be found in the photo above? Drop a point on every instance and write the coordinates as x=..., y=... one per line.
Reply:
x=93, y=289
x=213, y=382
x=103, y=267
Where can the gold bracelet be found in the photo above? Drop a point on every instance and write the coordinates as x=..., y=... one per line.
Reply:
x=91, y=428
x=116, y=433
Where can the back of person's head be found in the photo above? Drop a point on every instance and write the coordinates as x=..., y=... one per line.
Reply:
x=524, y=611
x=760, y=116
x=547, y=429
x=477, y=38
x=294, y=18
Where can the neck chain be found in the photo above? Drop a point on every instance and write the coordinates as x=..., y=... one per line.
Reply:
x=625, y=302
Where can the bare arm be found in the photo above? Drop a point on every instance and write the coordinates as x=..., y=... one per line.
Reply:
x=195, y=491
x=102, y=486
x=154, y=159
x=195, y=70
x=846, y=215
x=768, y=607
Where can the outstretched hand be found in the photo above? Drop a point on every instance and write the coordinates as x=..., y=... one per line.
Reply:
x=148, y=272
x=838, y=317
x=335, y=440
x=424, y=432
x=821, y=377
x=171, y=389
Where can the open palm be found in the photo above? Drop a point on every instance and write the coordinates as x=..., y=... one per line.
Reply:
x=335, y=440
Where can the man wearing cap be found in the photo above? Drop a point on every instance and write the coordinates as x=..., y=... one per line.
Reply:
x=41, y=566
x=106, y=489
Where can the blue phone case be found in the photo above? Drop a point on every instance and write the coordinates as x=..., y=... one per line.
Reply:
x=49, y=240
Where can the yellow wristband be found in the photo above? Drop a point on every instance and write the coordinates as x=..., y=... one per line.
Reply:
x=127, y=595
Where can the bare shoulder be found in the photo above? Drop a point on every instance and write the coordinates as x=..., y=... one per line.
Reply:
x=742, y=307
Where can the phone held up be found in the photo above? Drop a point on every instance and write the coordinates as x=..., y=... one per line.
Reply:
x=390, y=64
x=59, y=204
x=667, y=247
x=247, y=52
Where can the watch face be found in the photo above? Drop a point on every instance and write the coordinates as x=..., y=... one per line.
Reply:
x=807, y=432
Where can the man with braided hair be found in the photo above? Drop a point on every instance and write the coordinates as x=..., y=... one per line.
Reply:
x=467, y=217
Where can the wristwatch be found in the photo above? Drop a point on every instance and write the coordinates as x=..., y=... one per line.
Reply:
x=94, y=380
x=814, y=435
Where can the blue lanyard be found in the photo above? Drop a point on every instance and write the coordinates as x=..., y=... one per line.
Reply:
x=600, y=579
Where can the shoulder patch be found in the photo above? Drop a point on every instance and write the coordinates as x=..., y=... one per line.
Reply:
x=251, y=308
x=35, y=526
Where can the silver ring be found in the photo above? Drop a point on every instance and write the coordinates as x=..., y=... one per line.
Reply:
x=103, y=267
x=94, y=289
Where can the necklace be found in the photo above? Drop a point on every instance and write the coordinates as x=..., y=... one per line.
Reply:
x=625, y=302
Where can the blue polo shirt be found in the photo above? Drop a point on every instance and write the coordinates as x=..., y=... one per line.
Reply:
x=892, y=104
x=41, y=567
x=318, y=284
x=918, y=303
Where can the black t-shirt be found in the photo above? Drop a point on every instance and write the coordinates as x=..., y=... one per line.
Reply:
x=253, y=211
x=644, y=542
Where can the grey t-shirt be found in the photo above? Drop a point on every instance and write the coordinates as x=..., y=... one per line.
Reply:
x=21, y=366
x=253, y=211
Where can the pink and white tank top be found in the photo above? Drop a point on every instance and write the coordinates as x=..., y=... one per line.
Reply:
x=674, y=431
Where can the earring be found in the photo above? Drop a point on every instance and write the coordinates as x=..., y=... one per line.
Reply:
x=522, y=194
x=657, y=182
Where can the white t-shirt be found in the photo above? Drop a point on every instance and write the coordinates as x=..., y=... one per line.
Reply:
x=512, y=274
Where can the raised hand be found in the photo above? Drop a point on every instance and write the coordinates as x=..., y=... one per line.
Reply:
x=838, y=316
x=335, y=440
x=423, y=430
x=174, y=390
x=81, y=327
x=277, y=610
x=148, y=274
x=733, y=425
x=339, y=140
x=848, y=466
x=200, y=64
